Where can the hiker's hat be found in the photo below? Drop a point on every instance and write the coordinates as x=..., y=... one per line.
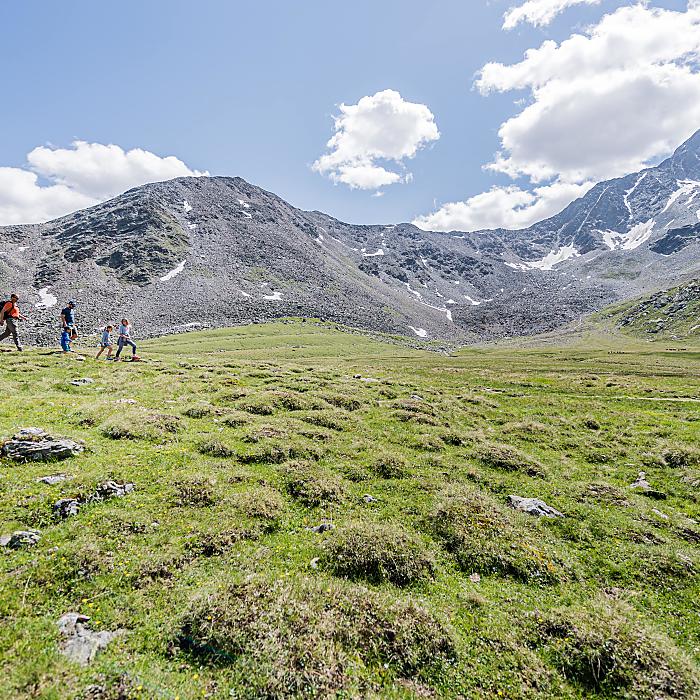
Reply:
x=72, y=303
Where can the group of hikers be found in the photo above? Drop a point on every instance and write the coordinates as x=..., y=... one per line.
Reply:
x=10, y=315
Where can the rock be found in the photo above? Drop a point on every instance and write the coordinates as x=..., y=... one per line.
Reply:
x=20, y=539
x=35, y=444
x=79, y=643
x=65, y=507
x=52, y=479
x=130, y=401
x=111, y=489
x=642, y=486
x=415, y=397
x=82, y=381
x=533, y=506
x=663, y=516
x=323, y=527
x=474, y=578
x=314, y=562
x=368, y=498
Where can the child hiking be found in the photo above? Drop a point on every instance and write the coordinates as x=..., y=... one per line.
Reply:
x=125, y=339
x=68, y=330
x=106, y=343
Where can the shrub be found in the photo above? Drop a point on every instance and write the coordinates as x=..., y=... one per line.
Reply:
x=312, y=486
x=485, y=538
x=605, y=649
x=389, y=466
x=681, y=456
x=199, y=410
x=215, y=543
x=216, y=448
x=313, y=638
x=508, y=458
x=194, y=492
x=377, y=552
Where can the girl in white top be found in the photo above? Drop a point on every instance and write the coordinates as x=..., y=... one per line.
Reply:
x=125, y=339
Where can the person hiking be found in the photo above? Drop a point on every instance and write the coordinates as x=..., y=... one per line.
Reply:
x=106, y=343
x=9, y=315
x=69, y=331
x=125, y=339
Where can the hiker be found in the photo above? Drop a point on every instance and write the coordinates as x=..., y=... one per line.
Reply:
x=125, y=339
x=106, y=343
x=9, y=315
x=69, y=332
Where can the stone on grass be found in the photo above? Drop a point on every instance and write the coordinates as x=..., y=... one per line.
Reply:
x=111, y=489
x=368, y=498
x=79, y=643
x=533, y=506
x=323, y=527
x=82, y=381
x=20, y=539
x=66, y=507
x=35, y=444
x=52, y=479
x=642, y=486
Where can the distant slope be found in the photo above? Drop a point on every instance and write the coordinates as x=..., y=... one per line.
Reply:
x=673, y=313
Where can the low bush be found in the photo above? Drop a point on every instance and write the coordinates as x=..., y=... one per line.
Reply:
x=194, y=492
x=312, y=485
x=606, y=649
x=313, y=638
x=680, y=456
x=377, y=552
x=486, y=538
x=507, y=458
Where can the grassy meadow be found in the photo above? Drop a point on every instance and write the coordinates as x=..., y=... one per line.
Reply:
x=427, y=585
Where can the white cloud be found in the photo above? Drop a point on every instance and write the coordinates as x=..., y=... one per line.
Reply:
x=78, y=177
x=503, y=207
x=602, y=103
x=379, y=130
x=539, y=12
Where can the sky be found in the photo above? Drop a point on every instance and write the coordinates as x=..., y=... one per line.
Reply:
x=455, y=114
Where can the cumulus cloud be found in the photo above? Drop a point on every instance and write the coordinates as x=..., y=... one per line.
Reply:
x=503, y=207
x=374, y=136
x=602, y=103
x=78, y=177
x=539, y=12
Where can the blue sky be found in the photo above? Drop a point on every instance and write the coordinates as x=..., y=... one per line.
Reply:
x=250, y=89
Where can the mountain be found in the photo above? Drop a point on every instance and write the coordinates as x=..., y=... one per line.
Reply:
x=215, y=251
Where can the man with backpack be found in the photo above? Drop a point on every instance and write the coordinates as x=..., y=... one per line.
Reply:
x=9, y=315
x=69, y=332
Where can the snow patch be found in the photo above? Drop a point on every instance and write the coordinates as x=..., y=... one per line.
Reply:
x=244, y=204
x=684, y=187
x=174, y=273
x=22, y=248
x=473, y=302
x=192, y=226
x=245, y=294
x=46, y=300
x=630, y=192
x=548, y=261
x=420, y=332
x=373, y=255
x=630, y=240
x=275, y=296
x=186, y=206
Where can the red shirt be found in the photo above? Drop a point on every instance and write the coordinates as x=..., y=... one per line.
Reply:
x=11, y=310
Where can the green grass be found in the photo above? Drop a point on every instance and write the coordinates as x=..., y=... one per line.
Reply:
x=242, y=440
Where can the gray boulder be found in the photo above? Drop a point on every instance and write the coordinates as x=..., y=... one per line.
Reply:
x=82, y=381
x=52, y=479
x=641, y=485
x=533, y=506
x=66, y=507
x=79, y=643
x=111, y=489
x=20, y=539
x=35, y=444
x=320, y=529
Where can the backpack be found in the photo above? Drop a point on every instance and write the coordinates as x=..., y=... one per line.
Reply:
x=3, y=304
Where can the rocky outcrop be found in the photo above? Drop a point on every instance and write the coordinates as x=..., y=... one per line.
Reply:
x=35, y=444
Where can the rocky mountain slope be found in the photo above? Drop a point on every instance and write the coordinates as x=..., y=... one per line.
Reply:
x=200, y=252
x=672, y=313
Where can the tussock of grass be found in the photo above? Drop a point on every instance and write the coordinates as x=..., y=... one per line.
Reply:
x=390, y=466
x=198, y=410
x=605, y=648
x=214, y=543
x=313, y=638
x=377, y=552
x=216, y=448
x=198, y=491
x=680, y=456
x=235, y=419
x=507, y=458
x=262, y=503
x=344, y=401
x=486, y=538
x=312, y=486
x=333, y=420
